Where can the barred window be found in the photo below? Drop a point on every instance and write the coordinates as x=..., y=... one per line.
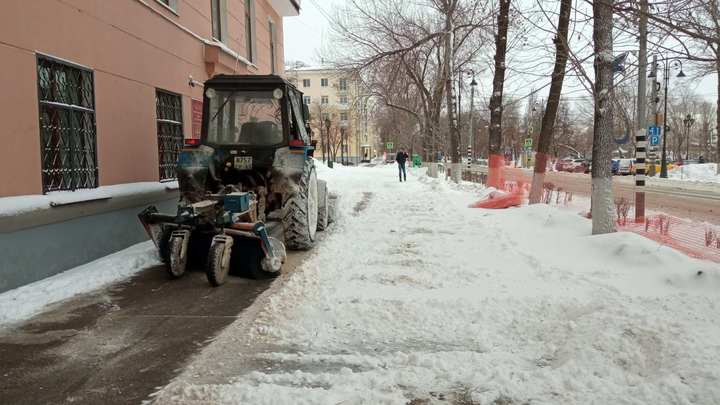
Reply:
x=169, y=131
x=343, y=84
x=67, y=126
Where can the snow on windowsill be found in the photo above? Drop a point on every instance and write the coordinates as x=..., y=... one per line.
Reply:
x=11, y=206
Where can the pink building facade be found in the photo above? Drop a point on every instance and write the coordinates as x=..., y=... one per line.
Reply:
x=102, y=92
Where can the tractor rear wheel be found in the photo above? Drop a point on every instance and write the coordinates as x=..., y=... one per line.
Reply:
x=323, y=206
x=300, y=211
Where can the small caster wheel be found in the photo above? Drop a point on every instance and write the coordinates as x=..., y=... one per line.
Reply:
x=177, y=251
x=218, y=265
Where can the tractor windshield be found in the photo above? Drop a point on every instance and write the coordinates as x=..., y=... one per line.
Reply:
x=244, y=118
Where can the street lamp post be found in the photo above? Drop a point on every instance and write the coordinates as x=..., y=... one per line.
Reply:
x=471, y=138
x=342, y=145
x=327, y=142
x=473, y=84
x=688, y=121
x=666, y=69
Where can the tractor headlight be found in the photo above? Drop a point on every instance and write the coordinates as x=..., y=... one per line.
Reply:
x=210, y=93
x=278, y=94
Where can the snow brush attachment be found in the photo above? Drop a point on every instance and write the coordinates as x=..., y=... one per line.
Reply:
x=273, y=249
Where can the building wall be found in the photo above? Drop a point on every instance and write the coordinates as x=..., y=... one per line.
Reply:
x=356, y=128
x=133, y=48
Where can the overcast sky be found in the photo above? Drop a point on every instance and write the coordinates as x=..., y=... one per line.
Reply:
x=304, y=35
x=307, y=34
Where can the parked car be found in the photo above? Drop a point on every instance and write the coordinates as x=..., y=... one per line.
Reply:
x=564, y=164
x=657, y=167
x=615, y=166
x=626, y=167
x=579, y=166
x=573, y=165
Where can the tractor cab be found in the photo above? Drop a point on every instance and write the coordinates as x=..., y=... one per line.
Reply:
x=246, y=119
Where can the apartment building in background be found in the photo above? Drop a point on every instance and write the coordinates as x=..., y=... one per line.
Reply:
x=98, y=96
x=337, y=99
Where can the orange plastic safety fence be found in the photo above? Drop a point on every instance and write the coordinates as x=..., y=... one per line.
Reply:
x=698, y=240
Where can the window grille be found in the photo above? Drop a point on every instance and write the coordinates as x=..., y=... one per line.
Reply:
x=169, y=131
x=67, y=126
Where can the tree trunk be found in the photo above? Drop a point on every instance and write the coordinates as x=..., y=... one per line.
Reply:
x=717, y=114
x=602, y=193
x=448, y=59
x=548, y=120
x=497, y=161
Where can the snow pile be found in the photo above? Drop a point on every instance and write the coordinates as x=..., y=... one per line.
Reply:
x=416, y=297
x=26, y=301
x=705, y=172
x=10, y=206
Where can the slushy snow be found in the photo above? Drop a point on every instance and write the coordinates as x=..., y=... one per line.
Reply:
x=23, y=302
x=415, y=297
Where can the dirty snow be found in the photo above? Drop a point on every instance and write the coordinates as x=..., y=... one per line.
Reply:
x=705, y=172
x=10, y=206
x=415, y=297
x=26, y=301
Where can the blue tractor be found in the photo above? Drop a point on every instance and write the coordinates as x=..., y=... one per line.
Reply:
x=248, y=186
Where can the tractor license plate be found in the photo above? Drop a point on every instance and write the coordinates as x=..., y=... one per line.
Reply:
x=243, y=162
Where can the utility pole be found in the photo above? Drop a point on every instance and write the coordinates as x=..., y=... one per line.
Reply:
x=656, y=108
x=471, y=138
x=641, y=137
x=666, y=127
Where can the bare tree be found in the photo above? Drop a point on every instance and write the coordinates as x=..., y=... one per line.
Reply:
x=392, y=38
x=602, y=193
x=496, y=163
x=548, y=122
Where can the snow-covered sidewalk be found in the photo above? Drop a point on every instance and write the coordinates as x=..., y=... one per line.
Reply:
x=415, y=298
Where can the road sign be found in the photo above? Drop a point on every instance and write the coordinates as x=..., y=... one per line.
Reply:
x=528, y=143
x=654, y=131
x=389, y=146
x=654, y=140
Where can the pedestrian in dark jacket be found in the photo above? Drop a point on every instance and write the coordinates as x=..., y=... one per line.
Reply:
x=401, y=158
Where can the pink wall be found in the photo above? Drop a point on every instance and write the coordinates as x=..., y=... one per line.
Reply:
x=19, y=132
x=132, y=50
